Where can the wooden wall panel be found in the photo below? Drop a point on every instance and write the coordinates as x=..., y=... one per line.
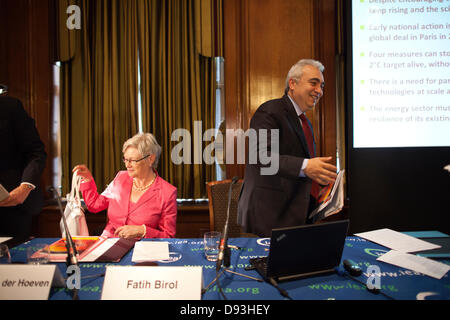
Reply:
x=278, y=32
x=235, y=54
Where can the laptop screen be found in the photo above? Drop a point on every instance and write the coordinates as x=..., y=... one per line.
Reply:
x=301, y=250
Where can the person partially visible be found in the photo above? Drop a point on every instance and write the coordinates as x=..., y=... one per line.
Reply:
x=139, y=203
x=21, y=166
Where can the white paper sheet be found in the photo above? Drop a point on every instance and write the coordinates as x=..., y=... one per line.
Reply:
x=397, y=241
x=150, y=251
x=416, y=263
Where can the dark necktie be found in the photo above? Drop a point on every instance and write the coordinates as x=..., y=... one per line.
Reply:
x=315, y=188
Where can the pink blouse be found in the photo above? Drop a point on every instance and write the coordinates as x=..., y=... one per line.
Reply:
x=156, y=208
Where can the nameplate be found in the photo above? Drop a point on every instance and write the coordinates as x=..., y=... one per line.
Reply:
x=152, y=283
x=26, y=282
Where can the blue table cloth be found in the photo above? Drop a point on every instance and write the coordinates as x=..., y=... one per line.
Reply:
x=396, y=283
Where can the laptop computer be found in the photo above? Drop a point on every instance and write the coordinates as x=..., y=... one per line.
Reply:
x=303, y=251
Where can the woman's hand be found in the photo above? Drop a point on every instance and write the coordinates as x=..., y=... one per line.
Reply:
x=83, y=172
x=130, y=232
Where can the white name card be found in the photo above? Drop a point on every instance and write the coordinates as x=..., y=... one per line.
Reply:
x=26, y=282
x=152, y=283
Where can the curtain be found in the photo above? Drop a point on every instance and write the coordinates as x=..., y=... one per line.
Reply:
x=175, y=42
x=178, y=84
x=75, y=101
x=99, y=89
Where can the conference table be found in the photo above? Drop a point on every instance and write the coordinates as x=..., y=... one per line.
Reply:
x=396, y=283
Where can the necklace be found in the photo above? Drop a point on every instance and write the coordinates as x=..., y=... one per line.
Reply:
x=143, y=188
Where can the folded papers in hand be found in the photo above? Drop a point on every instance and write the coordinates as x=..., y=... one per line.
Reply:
x=331, y=199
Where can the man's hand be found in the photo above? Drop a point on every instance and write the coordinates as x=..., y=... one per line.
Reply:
x=320, y=170
x=17, y=196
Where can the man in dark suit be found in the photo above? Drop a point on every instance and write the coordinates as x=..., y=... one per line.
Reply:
x=21, y=165
x=285, y=198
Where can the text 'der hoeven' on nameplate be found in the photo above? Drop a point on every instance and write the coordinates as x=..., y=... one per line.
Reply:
x=28, y=282
x=152, y=283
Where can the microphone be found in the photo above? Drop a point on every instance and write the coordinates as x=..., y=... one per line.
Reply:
x=70, y=247
x=224, y=251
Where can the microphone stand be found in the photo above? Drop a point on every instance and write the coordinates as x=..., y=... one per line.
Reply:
x=224, y=256
x=224, y=252
x=72, y=252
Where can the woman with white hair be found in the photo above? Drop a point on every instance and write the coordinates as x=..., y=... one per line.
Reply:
x=140, y=203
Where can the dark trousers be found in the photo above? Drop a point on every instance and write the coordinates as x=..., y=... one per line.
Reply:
x=15, y=222
x=312, y=207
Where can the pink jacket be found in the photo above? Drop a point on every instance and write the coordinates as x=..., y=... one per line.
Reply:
x=156, y=208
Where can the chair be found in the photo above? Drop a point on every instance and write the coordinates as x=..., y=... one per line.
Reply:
x=218, y=201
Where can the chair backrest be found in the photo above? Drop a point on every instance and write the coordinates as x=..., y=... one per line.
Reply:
x=218, y=202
